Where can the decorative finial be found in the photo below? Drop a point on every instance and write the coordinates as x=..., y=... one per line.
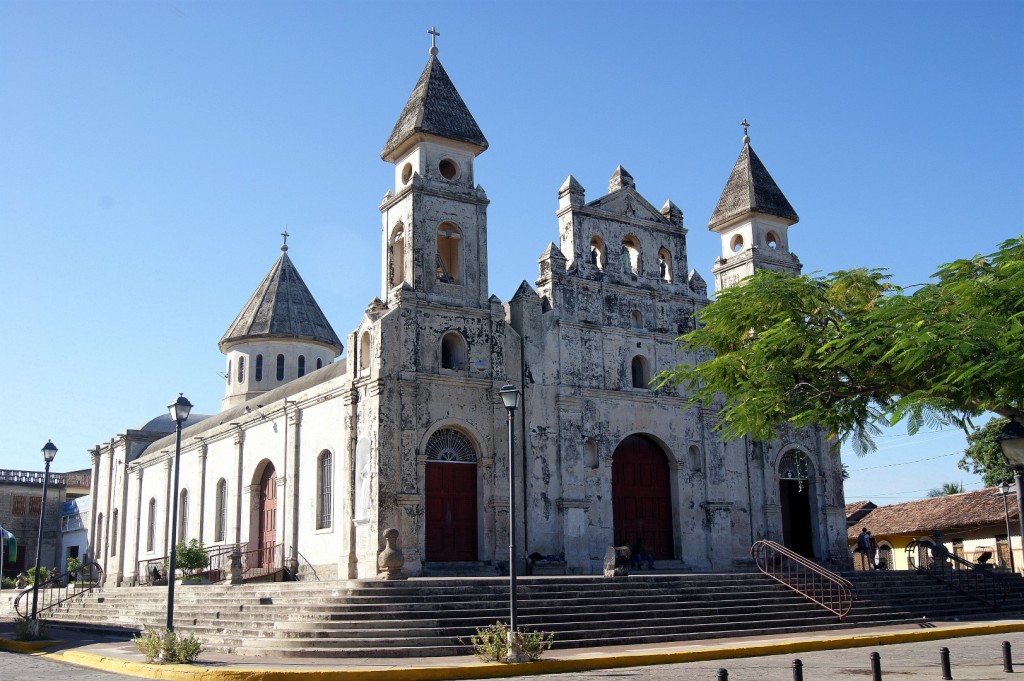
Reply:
x=746, y=137
x=433, y=40
x=284, y=246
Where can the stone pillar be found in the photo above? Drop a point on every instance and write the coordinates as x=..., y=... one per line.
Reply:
x=391, y=560
x=202, y=452
x=239, y=442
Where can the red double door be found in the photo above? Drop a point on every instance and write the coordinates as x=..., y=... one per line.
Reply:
x=450, y=511
x=641, y=496
x=268, y=516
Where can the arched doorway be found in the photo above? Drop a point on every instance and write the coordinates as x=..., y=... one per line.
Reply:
x=795, y=499
x=450, y=491
x=642, y=497
x=267, y=536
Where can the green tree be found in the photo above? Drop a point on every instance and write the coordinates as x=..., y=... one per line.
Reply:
x=947, y=489
x=983, y=455
x=851, y=351
x=190, y=558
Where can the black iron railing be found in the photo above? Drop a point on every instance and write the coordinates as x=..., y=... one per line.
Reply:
x=976, y=580
x=804, y=576
x=60, y=588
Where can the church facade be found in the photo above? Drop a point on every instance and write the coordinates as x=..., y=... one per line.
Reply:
x=312, y=457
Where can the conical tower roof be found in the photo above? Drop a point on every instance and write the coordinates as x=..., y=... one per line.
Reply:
x=281, y=308
x=434, y=108
x=750, y=189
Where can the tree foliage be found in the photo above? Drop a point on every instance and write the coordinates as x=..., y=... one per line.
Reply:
x=983, y=455
x=851, y=351
x=947, y=489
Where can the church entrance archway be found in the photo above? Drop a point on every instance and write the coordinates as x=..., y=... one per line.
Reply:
x=795, y=497
x=642, y=496
x=267, y=536
x=450, y=496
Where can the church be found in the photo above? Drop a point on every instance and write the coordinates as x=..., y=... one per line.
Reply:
x=313, y=455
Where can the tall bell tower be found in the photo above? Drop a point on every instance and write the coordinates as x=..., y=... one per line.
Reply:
x=434, y=224
x=752, y=217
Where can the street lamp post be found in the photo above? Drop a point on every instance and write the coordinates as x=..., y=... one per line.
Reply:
x=510, y=397
x=1004, y=489
x=179, y=410
x=1011, y=441
x=49, y=452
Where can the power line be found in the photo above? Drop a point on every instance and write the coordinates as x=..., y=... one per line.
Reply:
x=903, y=463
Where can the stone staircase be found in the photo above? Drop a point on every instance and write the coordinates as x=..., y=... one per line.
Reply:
x=428, y=616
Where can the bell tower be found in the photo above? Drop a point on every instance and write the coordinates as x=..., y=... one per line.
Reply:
x=434, y=220
x=752, y=217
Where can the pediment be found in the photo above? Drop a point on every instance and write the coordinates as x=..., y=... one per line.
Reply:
x=628, y=202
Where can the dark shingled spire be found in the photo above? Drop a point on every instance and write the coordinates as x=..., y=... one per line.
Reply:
x=434, y=108
x=282, y=307
x=750, y=189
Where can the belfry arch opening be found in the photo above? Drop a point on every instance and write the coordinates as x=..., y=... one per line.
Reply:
x=396, y=259
x=449, y=249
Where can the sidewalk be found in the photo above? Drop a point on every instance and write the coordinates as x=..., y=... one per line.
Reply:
x=118, y=654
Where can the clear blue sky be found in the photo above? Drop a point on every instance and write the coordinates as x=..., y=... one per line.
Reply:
x=152, y=152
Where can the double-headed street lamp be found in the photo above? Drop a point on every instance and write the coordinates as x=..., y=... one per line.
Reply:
x=179, y=410
x=49, y=452
x=1011, y=441
x=510, y=396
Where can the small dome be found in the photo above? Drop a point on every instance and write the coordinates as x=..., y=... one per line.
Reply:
x=162, y=423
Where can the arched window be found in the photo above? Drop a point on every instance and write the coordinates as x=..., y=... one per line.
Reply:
x=113, y=534
x=364, y=351
x=221, y=510
x=693, y=454
x=665, y=265
x=241, y=369
x=397, y=246
x=259, y=368
x=319, y=363
x=453, y=351
x=630, y=256
x=324, y=501
x=640, y=373
x=302, y=365
x=597, y=252
x=151, y=526
x=280, y=367
x=182, y=517
x=636, y=319
x=590, y=453
x=448, y=444
x=449, y=245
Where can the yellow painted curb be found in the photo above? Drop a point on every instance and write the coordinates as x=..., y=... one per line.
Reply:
x=481, y=670
x=25, y=646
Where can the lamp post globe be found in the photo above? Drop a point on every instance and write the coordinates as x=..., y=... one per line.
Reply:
x=179, y=410
x=49, y=453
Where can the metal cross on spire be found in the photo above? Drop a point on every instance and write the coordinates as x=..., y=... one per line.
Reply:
x=746, y=126
x=433, y=40
x=284, y=246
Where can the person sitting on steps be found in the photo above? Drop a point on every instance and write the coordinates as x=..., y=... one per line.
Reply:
x=639, y=555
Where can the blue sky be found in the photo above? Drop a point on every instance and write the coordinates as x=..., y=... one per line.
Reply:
x=152, y=152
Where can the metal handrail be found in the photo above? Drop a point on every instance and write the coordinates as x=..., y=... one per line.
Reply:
x=973, y=579
x=308, y=564
x=218, y=570
x=262, y=561
x=59, y=588
x=807, y=578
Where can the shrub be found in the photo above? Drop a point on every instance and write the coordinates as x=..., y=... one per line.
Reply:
x=191, y=558
x=73, y=568
x=23, y=629
x=160, y=645
x=490, y=643
x=30, y=575
x=7, y=583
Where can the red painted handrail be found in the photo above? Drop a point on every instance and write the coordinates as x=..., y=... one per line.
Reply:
x=804, y=576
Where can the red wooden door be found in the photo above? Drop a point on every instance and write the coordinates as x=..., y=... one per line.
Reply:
x=451, y=511
x=268, y=516
x=641, y=498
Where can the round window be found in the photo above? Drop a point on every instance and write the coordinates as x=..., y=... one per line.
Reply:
x=736, y=244
x=772, y=240
x=448, y=169
x=407, y=173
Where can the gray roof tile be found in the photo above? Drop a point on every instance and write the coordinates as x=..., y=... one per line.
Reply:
x=435, y=108
x=282, y=307
x=750, y=189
